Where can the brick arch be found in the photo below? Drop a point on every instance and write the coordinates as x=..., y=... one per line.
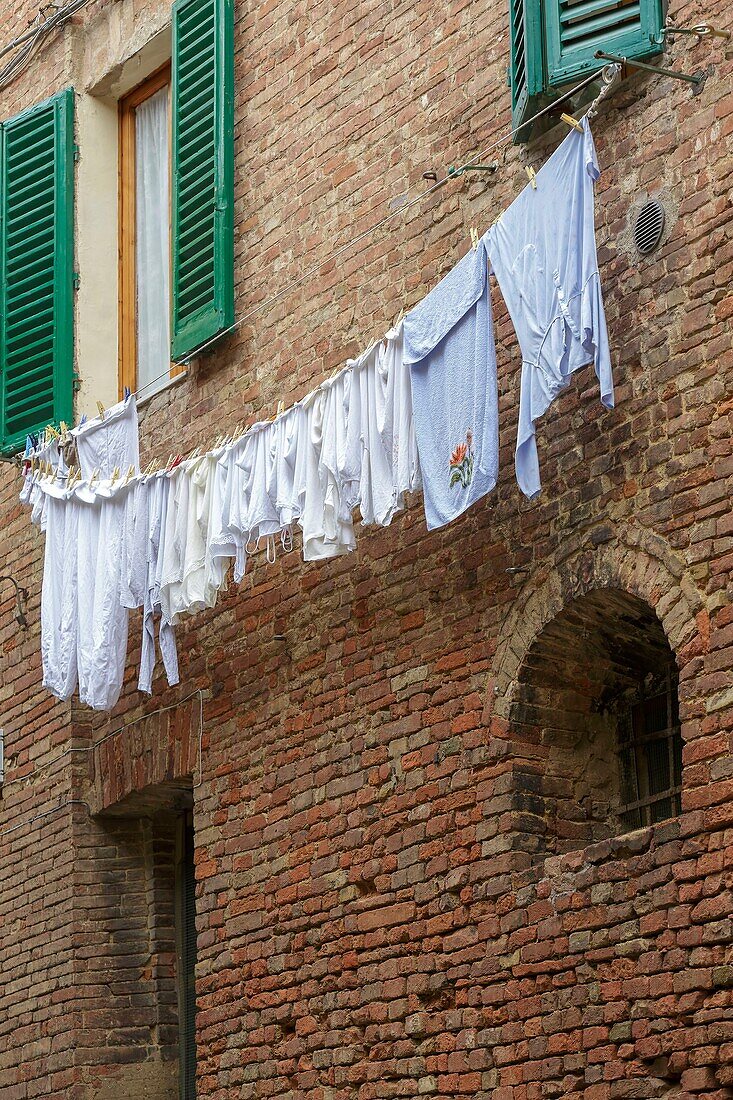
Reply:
x=633, y=561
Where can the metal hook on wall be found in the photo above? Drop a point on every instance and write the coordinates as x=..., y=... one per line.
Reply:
x=21, y=597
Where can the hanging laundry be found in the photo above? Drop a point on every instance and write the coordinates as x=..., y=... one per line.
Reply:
x=281, y=487
x=543, y=252
x=340, y=490
x=113, y=441
x=59, y=592
x=140, y=559
x=394, y=418
x=368, y=463
x=449, y=347
x=260, y=518
x=159, y=490
x=325, y=534
x=103, y=619
x=224, y=544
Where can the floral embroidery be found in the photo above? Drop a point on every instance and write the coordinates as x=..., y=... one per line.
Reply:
x=460, y=466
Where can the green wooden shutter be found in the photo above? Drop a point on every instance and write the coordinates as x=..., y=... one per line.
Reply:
x=526, y=69
x=203, y=172
x=577, y=28
x=36, y=269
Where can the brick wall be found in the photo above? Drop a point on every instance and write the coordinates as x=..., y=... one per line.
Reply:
x=375, y=918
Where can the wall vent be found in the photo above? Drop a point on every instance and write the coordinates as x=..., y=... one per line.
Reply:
x=649, y=226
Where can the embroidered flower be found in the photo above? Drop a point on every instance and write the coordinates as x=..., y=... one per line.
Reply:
x=460, y=466
x=458, y=455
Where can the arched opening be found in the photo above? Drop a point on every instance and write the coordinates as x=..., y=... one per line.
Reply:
x=595, y=721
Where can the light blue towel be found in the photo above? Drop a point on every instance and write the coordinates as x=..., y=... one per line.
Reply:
x=449, y=346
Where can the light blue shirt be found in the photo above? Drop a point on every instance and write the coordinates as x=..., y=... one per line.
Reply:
x=449, y=346
x=543, y=252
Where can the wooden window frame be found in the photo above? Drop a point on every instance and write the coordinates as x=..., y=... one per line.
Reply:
x=127, y=296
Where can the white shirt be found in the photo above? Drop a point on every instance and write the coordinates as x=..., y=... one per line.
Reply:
x=103, y=444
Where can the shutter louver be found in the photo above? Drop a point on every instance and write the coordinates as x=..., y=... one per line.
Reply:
x=526, y=76
x=36, y=270
x=577, y=28
x=203, y=172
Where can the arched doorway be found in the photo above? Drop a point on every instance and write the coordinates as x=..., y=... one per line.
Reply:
x=594, y=717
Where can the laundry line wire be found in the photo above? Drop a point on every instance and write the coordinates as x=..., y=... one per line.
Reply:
x=316, y=269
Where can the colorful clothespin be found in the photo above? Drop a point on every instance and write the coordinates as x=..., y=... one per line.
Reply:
x=474, y=238
x=572, y=122
x=531, y=176
x=126, y=393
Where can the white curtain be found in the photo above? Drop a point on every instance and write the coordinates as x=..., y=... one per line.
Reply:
x=152, y=243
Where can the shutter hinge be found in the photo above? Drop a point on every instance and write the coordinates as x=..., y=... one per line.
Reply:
x=76, y=280
x=76, y=383
x=76, y=152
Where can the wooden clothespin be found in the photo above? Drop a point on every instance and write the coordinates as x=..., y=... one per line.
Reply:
x=474, y=238
x=115, y=474
x=531, y=176
x=130, y=473
x=570, y=121
x=93, y=478
x=101, y=409
x=280, y=409
x=70, y=476
x=64, y=427
x=496, y=221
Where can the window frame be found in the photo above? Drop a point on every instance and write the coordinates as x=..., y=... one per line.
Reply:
x=127, y=229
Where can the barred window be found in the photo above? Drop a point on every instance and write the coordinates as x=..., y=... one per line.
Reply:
x=650, y=752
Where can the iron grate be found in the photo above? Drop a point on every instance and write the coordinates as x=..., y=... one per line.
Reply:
x=649, y=226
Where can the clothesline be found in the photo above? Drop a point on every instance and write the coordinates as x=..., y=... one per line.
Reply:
x=418, y=409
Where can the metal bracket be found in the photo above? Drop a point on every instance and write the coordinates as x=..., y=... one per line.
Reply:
x=697, y=79
x=452, y=172
x=21, y=597
x=702, y=30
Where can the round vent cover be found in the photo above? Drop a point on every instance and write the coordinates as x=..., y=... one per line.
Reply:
x=649, y=226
